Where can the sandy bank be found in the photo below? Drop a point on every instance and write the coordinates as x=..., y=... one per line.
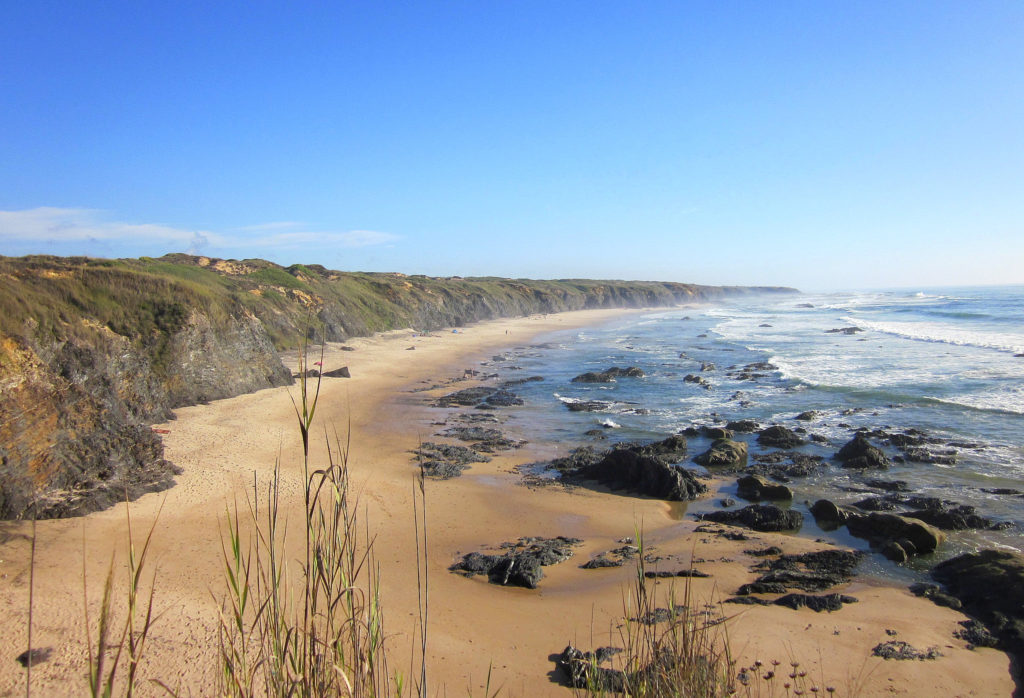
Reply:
x=473, y=625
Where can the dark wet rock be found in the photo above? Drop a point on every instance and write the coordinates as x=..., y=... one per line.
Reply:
x=759, y=517
x=882, y=528
x=779, y=437
x=808, y=416
x=486, y=440
x=761, y=588
x=520, y=381
x=990, y=584
x=888, y=485
x=628, y=469
x=914, y=536
x=959, y=517
x=609, y=375
x=445, y=461
x=660, y=615
x=898, y=649
x=691, y=378
x=783, y=465
x=583, y=670
x=726, y=502
x=347, y=348
x=749, y=601
x=861, y=454
x=764, y=552
x=342, y=372
x=935, y=593
x=1003, y=491
x=578, y=458
x=764, y=324
x=686, y=572
x=715, y=432
x=975, y=634
x=707, y=366
x=503, y=398
x=724, y=453
x=844, y=330
x=743, y=426
x=826, y=602
x=612, y=558
x=672, y=448
x=520, y=563
x=877, y=504
x=754, y=489
x=468, y=397
x=815, y=571
x=921, y=455
x=587, y=406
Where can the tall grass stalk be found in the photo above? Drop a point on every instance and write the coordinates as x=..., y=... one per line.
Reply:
x=128, y=644
x=319, y=635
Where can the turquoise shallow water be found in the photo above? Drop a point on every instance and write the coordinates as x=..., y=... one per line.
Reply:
x=942, y=361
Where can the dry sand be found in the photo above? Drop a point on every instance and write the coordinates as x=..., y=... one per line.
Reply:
x=472, y=625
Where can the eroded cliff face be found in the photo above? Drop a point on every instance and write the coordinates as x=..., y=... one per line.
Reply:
x=94, y=351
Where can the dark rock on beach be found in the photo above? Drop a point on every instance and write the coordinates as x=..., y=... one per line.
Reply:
x=445, y=461
x=990, y=585
x=743, y=426
x=759, y=517
x=826, y=602
x=844, y=330
x=520, y=563
x=702, y=382
x=630, y=468
x=898, y=649
x=470, y=397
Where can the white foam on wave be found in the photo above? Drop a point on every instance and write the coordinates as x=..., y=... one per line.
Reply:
x=946, y=334
x=1009, y=399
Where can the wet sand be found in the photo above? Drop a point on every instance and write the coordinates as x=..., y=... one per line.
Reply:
x=473, y=626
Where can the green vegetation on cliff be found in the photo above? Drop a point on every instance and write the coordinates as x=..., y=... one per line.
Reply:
x=93, y=350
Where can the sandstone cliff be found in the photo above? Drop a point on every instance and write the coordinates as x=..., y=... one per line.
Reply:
x=92, y=351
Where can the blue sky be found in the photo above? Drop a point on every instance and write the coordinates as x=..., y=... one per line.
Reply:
x=815, y=144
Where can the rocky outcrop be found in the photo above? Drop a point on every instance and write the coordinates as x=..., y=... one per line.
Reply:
x=609, y=375
x=520, y=562
x=990, y=585
x=767, y=518
x=779, y=437
x=859, y=453
x=898, y=537
x=646, y=469
x=754, y=488
x=724, y=453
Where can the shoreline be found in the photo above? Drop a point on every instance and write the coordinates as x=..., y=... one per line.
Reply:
x=472, y=623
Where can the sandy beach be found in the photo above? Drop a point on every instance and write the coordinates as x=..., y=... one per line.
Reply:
x=473, y=626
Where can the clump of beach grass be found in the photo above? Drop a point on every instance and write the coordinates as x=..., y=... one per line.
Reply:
x=321, y=634
x=683, y=651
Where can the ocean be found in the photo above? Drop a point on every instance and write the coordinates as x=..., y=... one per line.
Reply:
x=944, y=365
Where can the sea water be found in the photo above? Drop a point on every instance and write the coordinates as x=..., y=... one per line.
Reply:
x=947, y=362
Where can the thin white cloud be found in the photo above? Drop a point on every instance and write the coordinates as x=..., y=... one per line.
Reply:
x=73, y=225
